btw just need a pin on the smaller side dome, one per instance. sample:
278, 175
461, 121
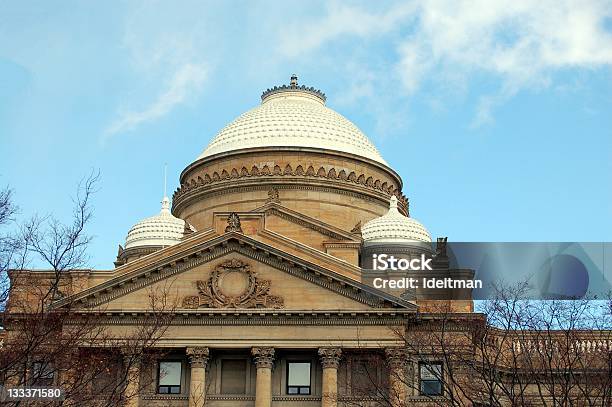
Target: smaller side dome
393, 227
162, 229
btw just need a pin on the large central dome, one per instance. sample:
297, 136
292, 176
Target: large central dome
293, 116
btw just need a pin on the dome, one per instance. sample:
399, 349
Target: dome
393, 227
293, 116
159, 230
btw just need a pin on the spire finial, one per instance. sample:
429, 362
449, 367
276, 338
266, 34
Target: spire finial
165, 201
294, 81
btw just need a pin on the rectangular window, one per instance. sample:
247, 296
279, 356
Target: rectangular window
298, 378
430, 375
233, 376
42, 374
169, 377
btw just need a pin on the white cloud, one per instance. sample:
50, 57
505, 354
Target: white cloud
340, 20
520, 44
188, 79
517, 40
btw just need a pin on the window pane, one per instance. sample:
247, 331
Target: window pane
233, 376
170, 373
299, 374
431, 371
431, 388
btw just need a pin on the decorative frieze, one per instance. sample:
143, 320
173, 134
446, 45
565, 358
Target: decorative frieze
206, 317
311, 172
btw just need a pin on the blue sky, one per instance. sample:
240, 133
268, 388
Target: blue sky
498, 115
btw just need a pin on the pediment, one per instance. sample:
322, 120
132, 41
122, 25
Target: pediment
327, 232
194, 270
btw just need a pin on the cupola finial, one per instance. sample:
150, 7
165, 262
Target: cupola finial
295, 89
165, 201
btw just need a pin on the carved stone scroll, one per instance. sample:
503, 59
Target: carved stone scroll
232, 284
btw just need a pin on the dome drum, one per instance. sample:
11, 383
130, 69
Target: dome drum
308, 179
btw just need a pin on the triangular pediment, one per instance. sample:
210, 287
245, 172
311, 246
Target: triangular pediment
326, 231
281, 279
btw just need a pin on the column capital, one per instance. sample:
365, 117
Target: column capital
330, 357
396, 357
198, 356
264, 357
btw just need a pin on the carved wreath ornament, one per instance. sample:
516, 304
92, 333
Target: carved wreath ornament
232, 284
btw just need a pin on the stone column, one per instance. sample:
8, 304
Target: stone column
264, 360
396, 360
330, 359
198, 359
132, 362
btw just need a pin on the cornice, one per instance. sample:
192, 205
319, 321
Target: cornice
216, 317
306, 221
138, 251
253, 151
343, 245
242, 186
349, 269
357, 183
